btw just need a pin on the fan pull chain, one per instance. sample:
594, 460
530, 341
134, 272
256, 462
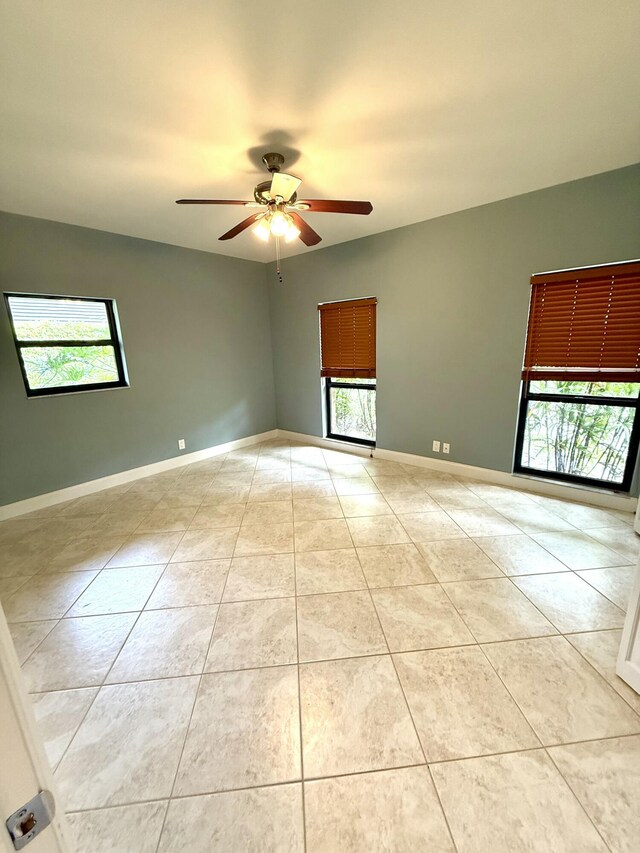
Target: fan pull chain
278, 273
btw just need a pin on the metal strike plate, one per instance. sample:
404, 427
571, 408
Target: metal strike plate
29, 820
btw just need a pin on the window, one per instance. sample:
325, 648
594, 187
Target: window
348, 351
579, 418
66, 343
351, 409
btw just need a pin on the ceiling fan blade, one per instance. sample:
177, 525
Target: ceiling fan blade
241, 226
321, 205
307, 234
283, 185
208, 201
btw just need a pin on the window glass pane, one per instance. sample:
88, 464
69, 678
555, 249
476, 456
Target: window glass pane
37, 319
591, 389
353, 413
51, 367
577, 438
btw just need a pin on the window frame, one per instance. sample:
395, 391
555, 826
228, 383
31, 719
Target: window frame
634, 440
329, 383
115, 341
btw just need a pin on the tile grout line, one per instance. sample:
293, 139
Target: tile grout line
547, 549
106, 675
406, 701
533, 604
210, 793
137, 619
168, 801
206, 793
541, 746
576, 798
195, 699
507, 576
57, 619
548, 618
489, 661
527, 638
328, 660
200, 678
603, 569
510, 577
302, 774
600, 677
598, 673
34, 650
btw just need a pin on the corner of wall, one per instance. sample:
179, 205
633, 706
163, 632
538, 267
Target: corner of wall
267, 270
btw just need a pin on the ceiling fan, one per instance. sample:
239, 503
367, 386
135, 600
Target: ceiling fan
277, 201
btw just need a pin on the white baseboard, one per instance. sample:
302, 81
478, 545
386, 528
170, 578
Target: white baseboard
458, 469
82, 489
472, 472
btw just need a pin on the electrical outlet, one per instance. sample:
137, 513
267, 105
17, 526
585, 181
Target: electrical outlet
181, 444
445, 447
436, 446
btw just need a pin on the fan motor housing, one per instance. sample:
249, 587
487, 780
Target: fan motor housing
262, 195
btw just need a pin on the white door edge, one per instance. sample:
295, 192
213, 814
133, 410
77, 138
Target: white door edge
628, 665
24, 769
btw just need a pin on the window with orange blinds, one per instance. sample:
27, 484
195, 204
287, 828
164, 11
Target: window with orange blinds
585, 324
348, 338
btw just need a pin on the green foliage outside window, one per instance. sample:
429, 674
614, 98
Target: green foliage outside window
354, 412
583, 439
50, 367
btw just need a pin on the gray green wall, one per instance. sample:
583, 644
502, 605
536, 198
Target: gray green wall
453, 299
196, 336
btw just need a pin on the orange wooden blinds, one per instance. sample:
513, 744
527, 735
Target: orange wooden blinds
585, 324
348, 338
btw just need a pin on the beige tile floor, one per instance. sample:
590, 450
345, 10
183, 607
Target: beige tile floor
286, 648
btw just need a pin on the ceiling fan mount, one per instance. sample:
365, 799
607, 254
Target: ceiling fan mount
274, 162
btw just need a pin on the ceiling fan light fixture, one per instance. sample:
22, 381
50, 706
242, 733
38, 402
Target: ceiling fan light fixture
292, 232
261, 230
278, 223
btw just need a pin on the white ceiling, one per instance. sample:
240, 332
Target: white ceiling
113, 109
